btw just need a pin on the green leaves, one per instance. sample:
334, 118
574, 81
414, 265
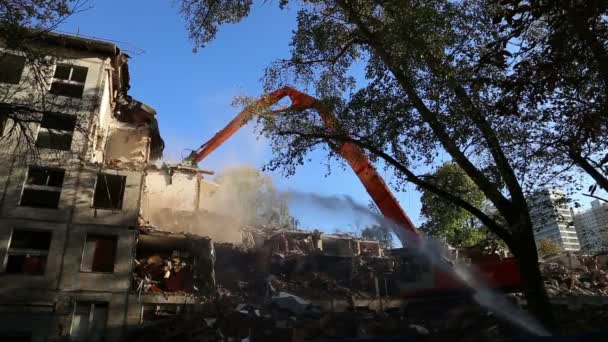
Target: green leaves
378, 233
203, 17
446, 220
21, 21
548, 247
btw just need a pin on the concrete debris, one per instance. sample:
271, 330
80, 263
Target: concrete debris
290, 289
420, 330
158, 273
174, 263
570, 274
291, 303
224, 320
296, 293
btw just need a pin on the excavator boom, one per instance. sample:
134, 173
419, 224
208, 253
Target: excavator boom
353, 154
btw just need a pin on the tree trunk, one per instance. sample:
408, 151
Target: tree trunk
533, 286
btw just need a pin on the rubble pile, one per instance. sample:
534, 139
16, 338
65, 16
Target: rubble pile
289, 290
164, 272
568, 274
315, 286
257, 272
177, 263
285, 317
300, 286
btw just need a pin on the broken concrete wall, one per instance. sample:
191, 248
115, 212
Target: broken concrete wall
206, 191
338, 246
127, 144
174, 200
177, 191
369, 248
202, 223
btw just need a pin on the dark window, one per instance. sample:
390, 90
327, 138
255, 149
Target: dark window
28, 251
3, 120
45, 176
89, 321
109, 191
99, 254
56, 131
79, 74
42, 187
11, 68
155, 312
62, 72
68, 80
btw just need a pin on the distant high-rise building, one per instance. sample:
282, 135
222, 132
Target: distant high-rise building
592, 227
552, 219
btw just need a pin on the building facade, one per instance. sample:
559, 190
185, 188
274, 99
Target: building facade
552, 219
592, 228
82, 204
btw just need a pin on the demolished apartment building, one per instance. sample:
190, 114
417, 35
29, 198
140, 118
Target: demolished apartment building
76, 211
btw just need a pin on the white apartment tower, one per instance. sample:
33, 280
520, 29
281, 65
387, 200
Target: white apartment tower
552, 219
592, 228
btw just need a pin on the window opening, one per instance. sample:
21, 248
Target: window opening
28, 251
42, 187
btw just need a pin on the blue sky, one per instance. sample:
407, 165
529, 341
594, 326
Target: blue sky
192, 92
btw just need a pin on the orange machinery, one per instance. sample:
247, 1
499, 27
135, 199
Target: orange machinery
499, 273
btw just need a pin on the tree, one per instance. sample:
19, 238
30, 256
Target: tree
19, 17
245, 193
379, 233
431, 87
548, 247
558, 80
448, 221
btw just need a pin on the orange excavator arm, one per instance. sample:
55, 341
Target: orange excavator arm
353, 154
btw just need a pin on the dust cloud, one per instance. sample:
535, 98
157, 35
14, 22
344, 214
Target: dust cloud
223, 209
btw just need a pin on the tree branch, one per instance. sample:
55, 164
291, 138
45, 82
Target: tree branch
489, 189
336, 140
600, 179
332, 60
596, 197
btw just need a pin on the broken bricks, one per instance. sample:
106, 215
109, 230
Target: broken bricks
570, 274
